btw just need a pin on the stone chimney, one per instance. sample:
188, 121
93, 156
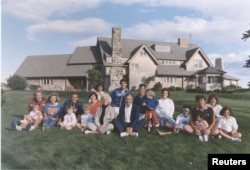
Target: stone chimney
116, 45
219, 64
182, 42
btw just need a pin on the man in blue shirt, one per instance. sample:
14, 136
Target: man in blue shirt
118, 95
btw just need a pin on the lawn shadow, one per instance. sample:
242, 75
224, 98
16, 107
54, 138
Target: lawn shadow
18, 116
9, 162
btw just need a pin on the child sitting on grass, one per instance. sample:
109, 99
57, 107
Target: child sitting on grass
181, 120
86, 118
227, 125
151, 103
69, 120
201, 127
28, 119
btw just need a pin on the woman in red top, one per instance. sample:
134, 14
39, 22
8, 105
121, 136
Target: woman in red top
94, 102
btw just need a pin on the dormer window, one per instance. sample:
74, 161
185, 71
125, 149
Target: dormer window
162, 48
143, 53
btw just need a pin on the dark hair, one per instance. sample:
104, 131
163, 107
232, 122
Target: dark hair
52, 94
187, 106
98, 85
142, 85
93, 93
224, 109
128, 94
198, 97
123, 80
165, 89
74, 93
69, 106
213, 95
201, 114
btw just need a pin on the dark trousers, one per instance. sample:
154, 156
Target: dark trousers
121, 128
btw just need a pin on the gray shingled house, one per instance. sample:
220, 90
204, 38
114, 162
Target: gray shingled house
180, 64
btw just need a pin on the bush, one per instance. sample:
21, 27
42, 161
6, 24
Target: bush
34, 87
17, 82
178, 88
172, 88
157, 87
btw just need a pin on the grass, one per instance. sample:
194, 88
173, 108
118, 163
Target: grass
61, 149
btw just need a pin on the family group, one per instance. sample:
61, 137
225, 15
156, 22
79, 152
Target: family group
127, 113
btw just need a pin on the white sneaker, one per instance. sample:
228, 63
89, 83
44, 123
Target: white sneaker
82, 129
200, 138
123, 134
18, 128
205, 138
236, 139
108, 132
87, 132
68, 127
31, 128
136, 134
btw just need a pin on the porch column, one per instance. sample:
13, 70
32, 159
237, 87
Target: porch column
87, 83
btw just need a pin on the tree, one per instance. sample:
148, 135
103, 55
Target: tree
17, 82
147, 80
245, 37
96, 75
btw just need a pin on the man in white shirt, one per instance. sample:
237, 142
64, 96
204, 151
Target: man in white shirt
128, 122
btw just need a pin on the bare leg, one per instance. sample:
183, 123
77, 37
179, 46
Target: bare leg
163, 133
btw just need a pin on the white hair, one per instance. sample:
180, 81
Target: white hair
106, 95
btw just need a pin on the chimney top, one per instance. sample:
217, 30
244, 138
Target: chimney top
182, 42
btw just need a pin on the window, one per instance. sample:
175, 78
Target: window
143, 53
134, 66
168, 62
162, 48
213, 79
46, 81
169, 80
198, 63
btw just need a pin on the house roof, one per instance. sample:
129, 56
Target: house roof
227, 77
210, 70
50, 66
85, 55
164, 70
129, 47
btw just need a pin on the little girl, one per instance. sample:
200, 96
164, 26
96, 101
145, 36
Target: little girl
201, 127
29, 119
151, 104
228, 126
69, 120
86, 118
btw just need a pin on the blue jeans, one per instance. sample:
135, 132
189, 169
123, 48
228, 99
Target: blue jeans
164, 121
121, 128
48, 122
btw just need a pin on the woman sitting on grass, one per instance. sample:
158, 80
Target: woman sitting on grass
227, 125
51, 111
103, 117
209, 116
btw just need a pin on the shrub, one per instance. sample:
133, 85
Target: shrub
178, 88
17, 82
34, 87
172, 88
133, 88
157, 86
217, 90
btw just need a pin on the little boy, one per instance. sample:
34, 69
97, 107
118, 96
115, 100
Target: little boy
86, 118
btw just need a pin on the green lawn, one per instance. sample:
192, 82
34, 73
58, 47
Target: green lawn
62, 149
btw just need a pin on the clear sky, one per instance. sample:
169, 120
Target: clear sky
41, 27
